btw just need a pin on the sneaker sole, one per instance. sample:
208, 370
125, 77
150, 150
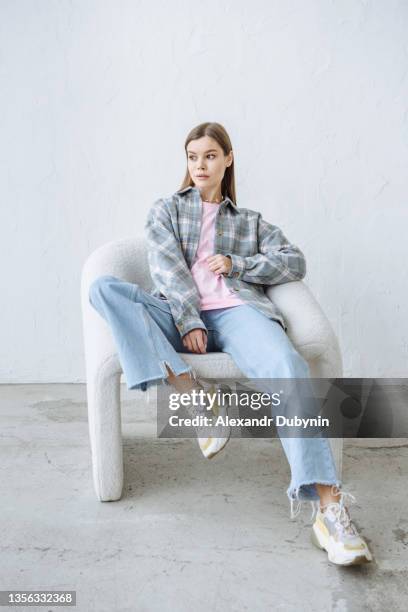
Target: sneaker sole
213, 454
357, 560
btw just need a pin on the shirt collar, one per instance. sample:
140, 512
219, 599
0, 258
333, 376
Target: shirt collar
228, 200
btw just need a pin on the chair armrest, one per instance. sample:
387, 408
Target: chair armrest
308, 326
123, 259
126, 259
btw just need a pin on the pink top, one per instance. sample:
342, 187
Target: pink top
212, 288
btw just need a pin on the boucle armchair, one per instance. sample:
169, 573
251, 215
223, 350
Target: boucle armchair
308, 328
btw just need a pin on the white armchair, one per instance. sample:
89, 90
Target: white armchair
308, 328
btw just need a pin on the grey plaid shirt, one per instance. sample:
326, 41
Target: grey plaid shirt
260, 254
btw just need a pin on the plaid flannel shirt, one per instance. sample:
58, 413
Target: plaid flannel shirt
260, 255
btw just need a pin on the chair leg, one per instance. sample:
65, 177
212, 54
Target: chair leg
105, 431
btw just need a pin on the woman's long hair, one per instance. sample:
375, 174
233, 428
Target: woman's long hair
219, 133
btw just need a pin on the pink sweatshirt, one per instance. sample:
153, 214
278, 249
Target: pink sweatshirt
212, 288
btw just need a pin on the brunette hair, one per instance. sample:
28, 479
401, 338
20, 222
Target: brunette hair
219, 133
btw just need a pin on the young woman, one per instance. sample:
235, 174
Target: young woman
209, 261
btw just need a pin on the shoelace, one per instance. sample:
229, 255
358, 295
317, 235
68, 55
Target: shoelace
343, 520
198, 409
203, 408
338, 507
212, 389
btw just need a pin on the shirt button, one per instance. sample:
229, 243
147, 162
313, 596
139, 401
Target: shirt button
220, 233
236, 289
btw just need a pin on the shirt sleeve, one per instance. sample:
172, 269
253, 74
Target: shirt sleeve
278, 261
169, 270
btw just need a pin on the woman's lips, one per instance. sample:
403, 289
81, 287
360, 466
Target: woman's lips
202, 177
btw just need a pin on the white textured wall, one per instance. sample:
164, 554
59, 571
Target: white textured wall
97, 98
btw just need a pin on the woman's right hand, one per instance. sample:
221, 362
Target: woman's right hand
196, 340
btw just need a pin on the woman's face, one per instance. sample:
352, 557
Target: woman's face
207, 163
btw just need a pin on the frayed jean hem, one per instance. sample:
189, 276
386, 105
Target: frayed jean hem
161, 380
307, 492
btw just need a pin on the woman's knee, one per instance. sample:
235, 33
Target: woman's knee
99, 285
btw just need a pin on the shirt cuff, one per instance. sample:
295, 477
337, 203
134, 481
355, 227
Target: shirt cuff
186, 325
238, 266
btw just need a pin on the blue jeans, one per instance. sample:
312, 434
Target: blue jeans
147, 339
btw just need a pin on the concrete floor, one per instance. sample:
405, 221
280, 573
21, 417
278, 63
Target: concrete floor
188, 534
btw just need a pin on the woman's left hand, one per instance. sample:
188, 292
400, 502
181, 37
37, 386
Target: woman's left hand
219, 264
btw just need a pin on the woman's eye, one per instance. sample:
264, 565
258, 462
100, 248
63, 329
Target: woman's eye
210, 155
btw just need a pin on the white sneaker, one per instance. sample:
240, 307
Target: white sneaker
334, 532
214, 441
211, 438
